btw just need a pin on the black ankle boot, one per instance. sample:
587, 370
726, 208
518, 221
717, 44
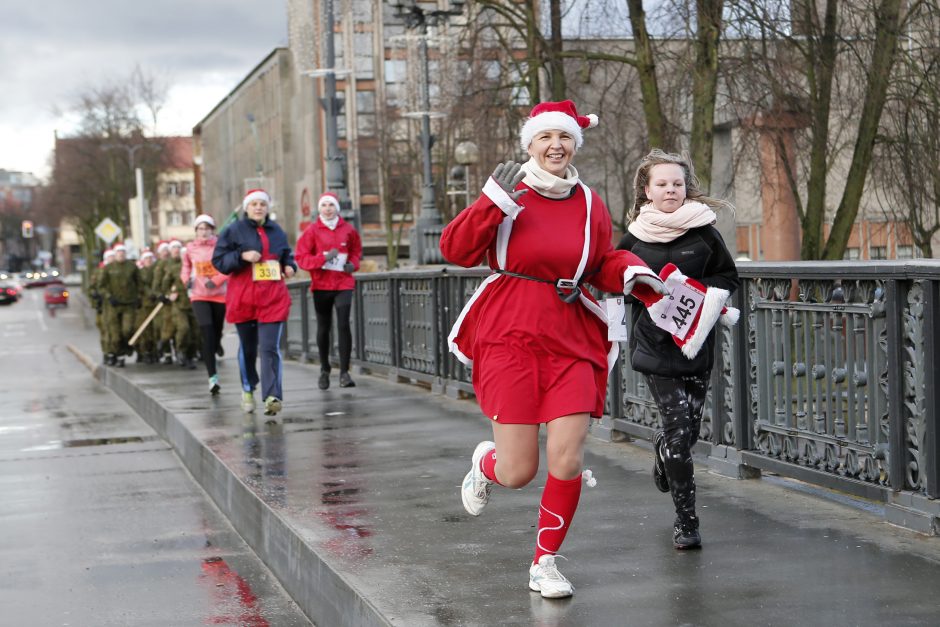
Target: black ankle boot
324, 382
345, 381
686, 535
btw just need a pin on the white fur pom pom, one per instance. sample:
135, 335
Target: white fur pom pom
730, 316
593, 118
589, 478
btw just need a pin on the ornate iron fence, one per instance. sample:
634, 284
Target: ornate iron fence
831, 375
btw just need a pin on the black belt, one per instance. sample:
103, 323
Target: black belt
560, 284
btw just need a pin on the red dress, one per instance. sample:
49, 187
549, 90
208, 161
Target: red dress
536, 358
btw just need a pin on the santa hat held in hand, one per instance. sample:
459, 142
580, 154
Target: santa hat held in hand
712, 310
559, 116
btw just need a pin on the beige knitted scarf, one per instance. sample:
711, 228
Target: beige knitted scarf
656, 227
546, 183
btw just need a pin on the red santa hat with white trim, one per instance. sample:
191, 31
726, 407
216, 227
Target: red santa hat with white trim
559, 116
694, 332
255, 194
331, 198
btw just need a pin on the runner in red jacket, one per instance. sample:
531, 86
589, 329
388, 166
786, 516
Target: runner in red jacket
330, 249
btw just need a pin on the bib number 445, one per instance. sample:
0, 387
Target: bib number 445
684, 305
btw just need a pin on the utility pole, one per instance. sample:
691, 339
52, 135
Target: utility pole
425, 237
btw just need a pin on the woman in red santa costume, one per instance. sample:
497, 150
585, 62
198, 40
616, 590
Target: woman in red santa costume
673, 340
536, 339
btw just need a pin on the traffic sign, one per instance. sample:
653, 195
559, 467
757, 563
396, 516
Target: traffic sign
107, 230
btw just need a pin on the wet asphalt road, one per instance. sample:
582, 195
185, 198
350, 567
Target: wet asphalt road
99, 522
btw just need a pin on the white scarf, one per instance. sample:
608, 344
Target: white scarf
330, 224
546, 183
656, 227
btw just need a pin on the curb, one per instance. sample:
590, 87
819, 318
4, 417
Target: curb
322, 593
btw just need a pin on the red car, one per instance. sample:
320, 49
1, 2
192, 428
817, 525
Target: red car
56, 296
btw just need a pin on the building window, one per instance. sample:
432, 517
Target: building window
879, 252
188, 218
186, 188
172, 189
851, 253
905, 252
174, 218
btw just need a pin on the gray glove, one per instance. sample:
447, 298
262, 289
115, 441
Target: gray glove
348, 267
189, 283
331, 254
210, 284
509, 175
654, 282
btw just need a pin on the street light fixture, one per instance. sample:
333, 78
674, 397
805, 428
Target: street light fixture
425, 239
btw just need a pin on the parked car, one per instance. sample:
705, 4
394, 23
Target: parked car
56, 296
8, 293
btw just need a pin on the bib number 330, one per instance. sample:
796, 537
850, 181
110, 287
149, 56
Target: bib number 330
684, 305
269, 270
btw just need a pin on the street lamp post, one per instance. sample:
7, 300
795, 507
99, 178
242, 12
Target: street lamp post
425, 239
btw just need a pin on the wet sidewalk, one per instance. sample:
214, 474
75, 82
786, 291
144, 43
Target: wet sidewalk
354, 504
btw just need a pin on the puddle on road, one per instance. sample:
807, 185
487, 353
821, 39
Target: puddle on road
61, 444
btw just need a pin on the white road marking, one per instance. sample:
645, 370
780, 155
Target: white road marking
42, 322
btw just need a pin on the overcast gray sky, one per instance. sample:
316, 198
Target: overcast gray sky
51, 50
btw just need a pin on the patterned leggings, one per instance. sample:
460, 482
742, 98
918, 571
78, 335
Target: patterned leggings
681, 402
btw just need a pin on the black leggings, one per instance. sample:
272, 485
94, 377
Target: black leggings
210, 317
681, 402
323, 303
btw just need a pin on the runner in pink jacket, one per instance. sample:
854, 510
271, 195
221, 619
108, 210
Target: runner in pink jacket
206, 287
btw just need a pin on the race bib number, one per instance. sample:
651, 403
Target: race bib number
617, 328
269, 270
203, 268
684, 305
336, 263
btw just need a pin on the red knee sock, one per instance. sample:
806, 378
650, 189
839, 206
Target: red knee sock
559, 502
488, 465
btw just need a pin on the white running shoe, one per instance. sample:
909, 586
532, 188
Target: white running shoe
545, 578
475, 490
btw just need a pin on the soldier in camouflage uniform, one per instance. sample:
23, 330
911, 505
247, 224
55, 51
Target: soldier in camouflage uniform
146, 344
98, 300
120, 286
184, 323
163, 323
